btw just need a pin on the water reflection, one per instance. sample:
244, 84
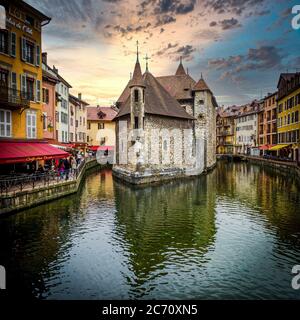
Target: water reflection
234, 233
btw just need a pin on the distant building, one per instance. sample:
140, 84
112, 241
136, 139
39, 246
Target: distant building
226, 129
78, 121
62, 108
49, 101
288, 122
267, 123
158, 107
246, 125
100, 126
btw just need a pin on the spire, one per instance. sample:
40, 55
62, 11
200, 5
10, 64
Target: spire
137, 78
201, 85
137, 51
180, 70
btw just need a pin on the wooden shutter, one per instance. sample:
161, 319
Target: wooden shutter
23, 49
38, 90
23, 85
13, 43
38, 55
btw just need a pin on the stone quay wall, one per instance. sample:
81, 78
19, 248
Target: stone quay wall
28, 198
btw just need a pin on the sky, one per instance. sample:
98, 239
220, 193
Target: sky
240, 46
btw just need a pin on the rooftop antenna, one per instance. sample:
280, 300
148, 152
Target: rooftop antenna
147, 58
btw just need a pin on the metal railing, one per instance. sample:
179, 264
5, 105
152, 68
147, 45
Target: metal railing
13, 97
18, 183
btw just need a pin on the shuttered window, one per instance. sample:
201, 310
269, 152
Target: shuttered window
31, 124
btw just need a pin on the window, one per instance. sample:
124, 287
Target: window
71, 136
30, 88
29, 20
5, 123
100, 125
297, 116
45, 95
3, 78
102, 142
89, 125
201, 101
76, 123
4, 41
28, 51
31, 124
64, 117
14, 83
44, 121
88, 138
136, 95
80, 120
136, 122
71, 121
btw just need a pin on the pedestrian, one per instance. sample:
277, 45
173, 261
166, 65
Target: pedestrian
61, 170
67, 168
73, 165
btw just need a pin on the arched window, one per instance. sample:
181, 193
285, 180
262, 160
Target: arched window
2, 17
136, 95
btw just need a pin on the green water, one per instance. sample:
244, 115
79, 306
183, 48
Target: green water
234, 233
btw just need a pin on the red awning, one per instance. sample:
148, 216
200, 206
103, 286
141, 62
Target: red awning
102, 148
14, 152
266, 147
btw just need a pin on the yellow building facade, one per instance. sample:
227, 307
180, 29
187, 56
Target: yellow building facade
288, 114
21, 109
100, 126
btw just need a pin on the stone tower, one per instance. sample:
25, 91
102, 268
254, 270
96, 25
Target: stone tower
205, 125
137, 97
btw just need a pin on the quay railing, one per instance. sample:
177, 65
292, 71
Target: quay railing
18, 183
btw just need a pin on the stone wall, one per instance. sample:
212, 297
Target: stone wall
29, 198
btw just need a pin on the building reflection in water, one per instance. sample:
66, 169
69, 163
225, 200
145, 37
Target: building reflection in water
175, 240
165, 226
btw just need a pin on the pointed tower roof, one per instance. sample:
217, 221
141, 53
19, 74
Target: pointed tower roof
137, 77
201, 85
180, 70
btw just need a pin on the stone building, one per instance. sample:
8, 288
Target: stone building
175, 126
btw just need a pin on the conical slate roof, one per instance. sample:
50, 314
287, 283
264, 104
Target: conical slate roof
137, 78
180, 70
201, 85
157, 101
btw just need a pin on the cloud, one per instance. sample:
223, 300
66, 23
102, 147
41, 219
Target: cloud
186, 52
227, 24
165, 19
174, 6
257, 59
236, 7
165, 49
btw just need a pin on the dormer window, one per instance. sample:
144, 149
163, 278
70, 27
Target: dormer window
29, 20
136, 95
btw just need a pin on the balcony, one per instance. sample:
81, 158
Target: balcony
14, 99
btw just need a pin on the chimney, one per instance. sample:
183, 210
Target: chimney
44, 57
79, 96
54, 69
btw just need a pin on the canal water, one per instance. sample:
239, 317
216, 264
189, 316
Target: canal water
234, 233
